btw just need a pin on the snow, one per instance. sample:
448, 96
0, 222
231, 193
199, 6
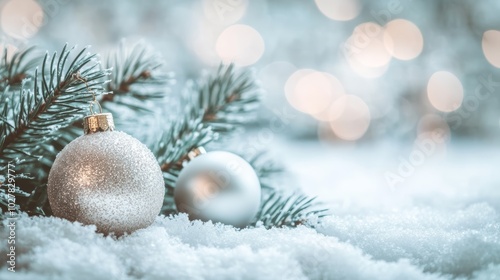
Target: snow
414, 244
442, 223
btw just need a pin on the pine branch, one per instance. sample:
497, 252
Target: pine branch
37, 204
173, 147
280, 210
136, 76
34, 203
57, 99
265, 169
228, 99
219, 104
183, 136
14, 68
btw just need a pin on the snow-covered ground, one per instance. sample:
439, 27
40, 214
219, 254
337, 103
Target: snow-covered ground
441, 222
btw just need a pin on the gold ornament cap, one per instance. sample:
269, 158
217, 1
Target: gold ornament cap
196, 152
98, 123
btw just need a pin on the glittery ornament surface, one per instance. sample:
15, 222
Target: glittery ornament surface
218, 186
109, 179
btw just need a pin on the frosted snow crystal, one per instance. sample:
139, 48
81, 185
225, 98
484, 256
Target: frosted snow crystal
419, 243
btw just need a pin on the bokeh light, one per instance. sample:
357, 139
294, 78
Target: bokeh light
350, 117
291, 84
367, 47
337, 91
224, 12
21, 19
312, 92
240, 44
339, 9
491, 47
403, 39
445, 91
366, 72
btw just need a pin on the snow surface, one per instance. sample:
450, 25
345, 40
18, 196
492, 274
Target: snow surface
417, 244
443, 222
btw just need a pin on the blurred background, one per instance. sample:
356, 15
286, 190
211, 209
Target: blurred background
361, 99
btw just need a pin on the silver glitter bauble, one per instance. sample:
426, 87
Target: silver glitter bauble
218, 186
108, 179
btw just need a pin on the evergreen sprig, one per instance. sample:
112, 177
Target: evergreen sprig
15, 67
137, 76
265, 169
183, 136
228, 98
287, 210
33, 116
279, 208
218, 104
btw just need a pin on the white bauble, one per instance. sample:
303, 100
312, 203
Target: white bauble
218, 186
108, 179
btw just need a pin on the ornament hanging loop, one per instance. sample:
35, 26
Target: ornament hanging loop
91, 107
96, 121
94, 101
